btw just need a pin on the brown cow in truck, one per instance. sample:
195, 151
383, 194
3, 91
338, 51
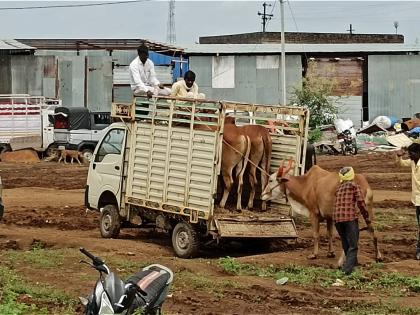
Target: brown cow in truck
313, 195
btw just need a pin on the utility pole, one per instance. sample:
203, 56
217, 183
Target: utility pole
351, 30
283, 55
170, 30
265, 17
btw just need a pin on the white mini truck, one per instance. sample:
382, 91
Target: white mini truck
159, 167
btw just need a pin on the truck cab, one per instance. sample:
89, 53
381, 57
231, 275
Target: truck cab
77, 128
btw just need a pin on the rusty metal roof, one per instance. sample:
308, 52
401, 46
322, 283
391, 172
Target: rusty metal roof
101, 44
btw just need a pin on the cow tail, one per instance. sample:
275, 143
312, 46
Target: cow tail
266, 159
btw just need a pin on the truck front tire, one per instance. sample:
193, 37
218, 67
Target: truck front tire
185, 240
110, 222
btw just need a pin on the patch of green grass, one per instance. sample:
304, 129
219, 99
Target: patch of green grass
203, 283
125, 267
377, 308
367, 279
12, 287
40, 257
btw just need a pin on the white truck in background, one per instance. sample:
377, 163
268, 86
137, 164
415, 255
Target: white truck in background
26, 122
160, 166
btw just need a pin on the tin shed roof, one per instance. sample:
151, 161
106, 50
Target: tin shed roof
11, 44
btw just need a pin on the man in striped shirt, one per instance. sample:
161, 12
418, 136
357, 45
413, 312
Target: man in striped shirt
345, 216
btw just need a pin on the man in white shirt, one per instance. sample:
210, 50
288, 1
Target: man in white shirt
143, 77
187, 88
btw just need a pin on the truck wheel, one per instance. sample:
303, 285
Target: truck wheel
110, 222
185, 240
87, 154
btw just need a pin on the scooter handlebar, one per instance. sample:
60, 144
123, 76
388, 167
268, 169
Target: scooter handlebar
96, 260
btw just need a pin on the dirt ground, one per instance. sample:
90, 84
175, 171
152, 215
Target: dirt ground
44, 202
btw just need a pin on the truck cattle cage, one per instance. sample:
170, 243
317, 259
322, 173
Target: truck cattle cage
25, 121
171, 159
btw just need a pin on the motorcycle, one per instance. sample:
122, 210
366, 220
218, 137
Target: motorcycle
145, 291
347, 142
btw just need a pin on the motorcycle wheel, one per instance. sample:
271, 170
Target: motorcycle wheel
110, 222
343, 149
185, 240
354, 147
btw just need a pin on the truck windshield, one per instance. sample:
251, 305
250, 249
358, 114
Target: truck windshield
112, 144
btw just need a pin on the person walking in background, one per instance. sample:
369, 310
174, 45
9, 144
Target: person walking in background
348, 196
143, 77
413, 162
187, 88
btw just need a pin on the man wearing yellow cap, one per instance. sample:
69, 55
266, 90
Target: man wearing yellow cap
348, 195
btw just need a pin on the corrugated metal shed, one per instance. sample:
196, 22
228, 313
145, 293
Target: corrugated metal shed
394, 86
213, 49
254, 79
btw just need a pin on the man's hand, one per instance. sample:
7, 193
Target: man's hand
400, 153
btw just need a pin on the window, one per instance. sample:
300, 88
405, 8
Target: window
101, 119
112, 144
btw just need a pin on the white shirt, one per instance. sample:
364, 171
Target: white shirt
143, 76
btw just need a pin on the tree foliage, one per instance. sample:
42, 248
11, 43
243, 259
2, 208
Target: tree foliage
315, 93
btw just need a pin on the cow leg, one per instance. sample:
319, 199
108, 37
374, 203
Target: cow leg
330, 231
252, 183
264, 182
315, 231
378, 255
228, 181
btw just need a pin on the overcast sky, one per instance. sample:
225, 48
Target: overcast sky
148, 18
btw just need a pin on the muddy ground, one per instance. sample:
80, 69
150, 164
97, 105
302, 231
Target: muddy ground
44, 204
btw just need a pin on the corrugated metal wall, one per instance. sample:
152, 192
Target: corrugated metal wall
394, 86
27, 75
251, 84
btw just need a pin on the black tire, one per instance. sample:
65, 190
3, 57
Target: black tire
87, 154
51, 150
354, 147
110, 222
185, 240
5, 149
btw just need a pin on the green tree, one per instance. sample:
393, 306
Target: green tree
315, 93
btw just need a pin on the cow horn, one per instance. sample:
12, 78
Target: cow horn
280, 170
289, 166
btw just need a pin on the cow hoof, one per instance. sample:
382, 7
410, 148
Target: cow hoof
331, 255
379, 259
312, 256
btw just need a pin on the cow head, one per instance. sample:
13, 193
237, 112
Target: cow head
276, 183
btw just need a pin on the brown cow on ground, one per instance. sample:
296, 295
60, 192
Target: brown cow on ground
313, 195
235, 154
261, 146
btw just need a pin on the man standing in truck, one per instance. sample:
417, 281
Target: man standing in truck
143, 77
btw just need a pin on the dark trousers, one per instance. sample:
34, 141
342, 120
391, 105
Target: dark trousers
418, 222
349, 234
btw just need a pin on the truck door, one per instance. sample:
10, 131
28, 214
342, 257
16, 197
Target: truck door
105, 169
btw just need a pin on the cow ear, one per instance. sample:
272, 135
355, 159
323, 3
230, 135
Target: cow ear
284, 180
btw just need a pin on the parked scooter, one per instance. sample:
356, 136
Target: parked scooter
347, 142
146, 290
